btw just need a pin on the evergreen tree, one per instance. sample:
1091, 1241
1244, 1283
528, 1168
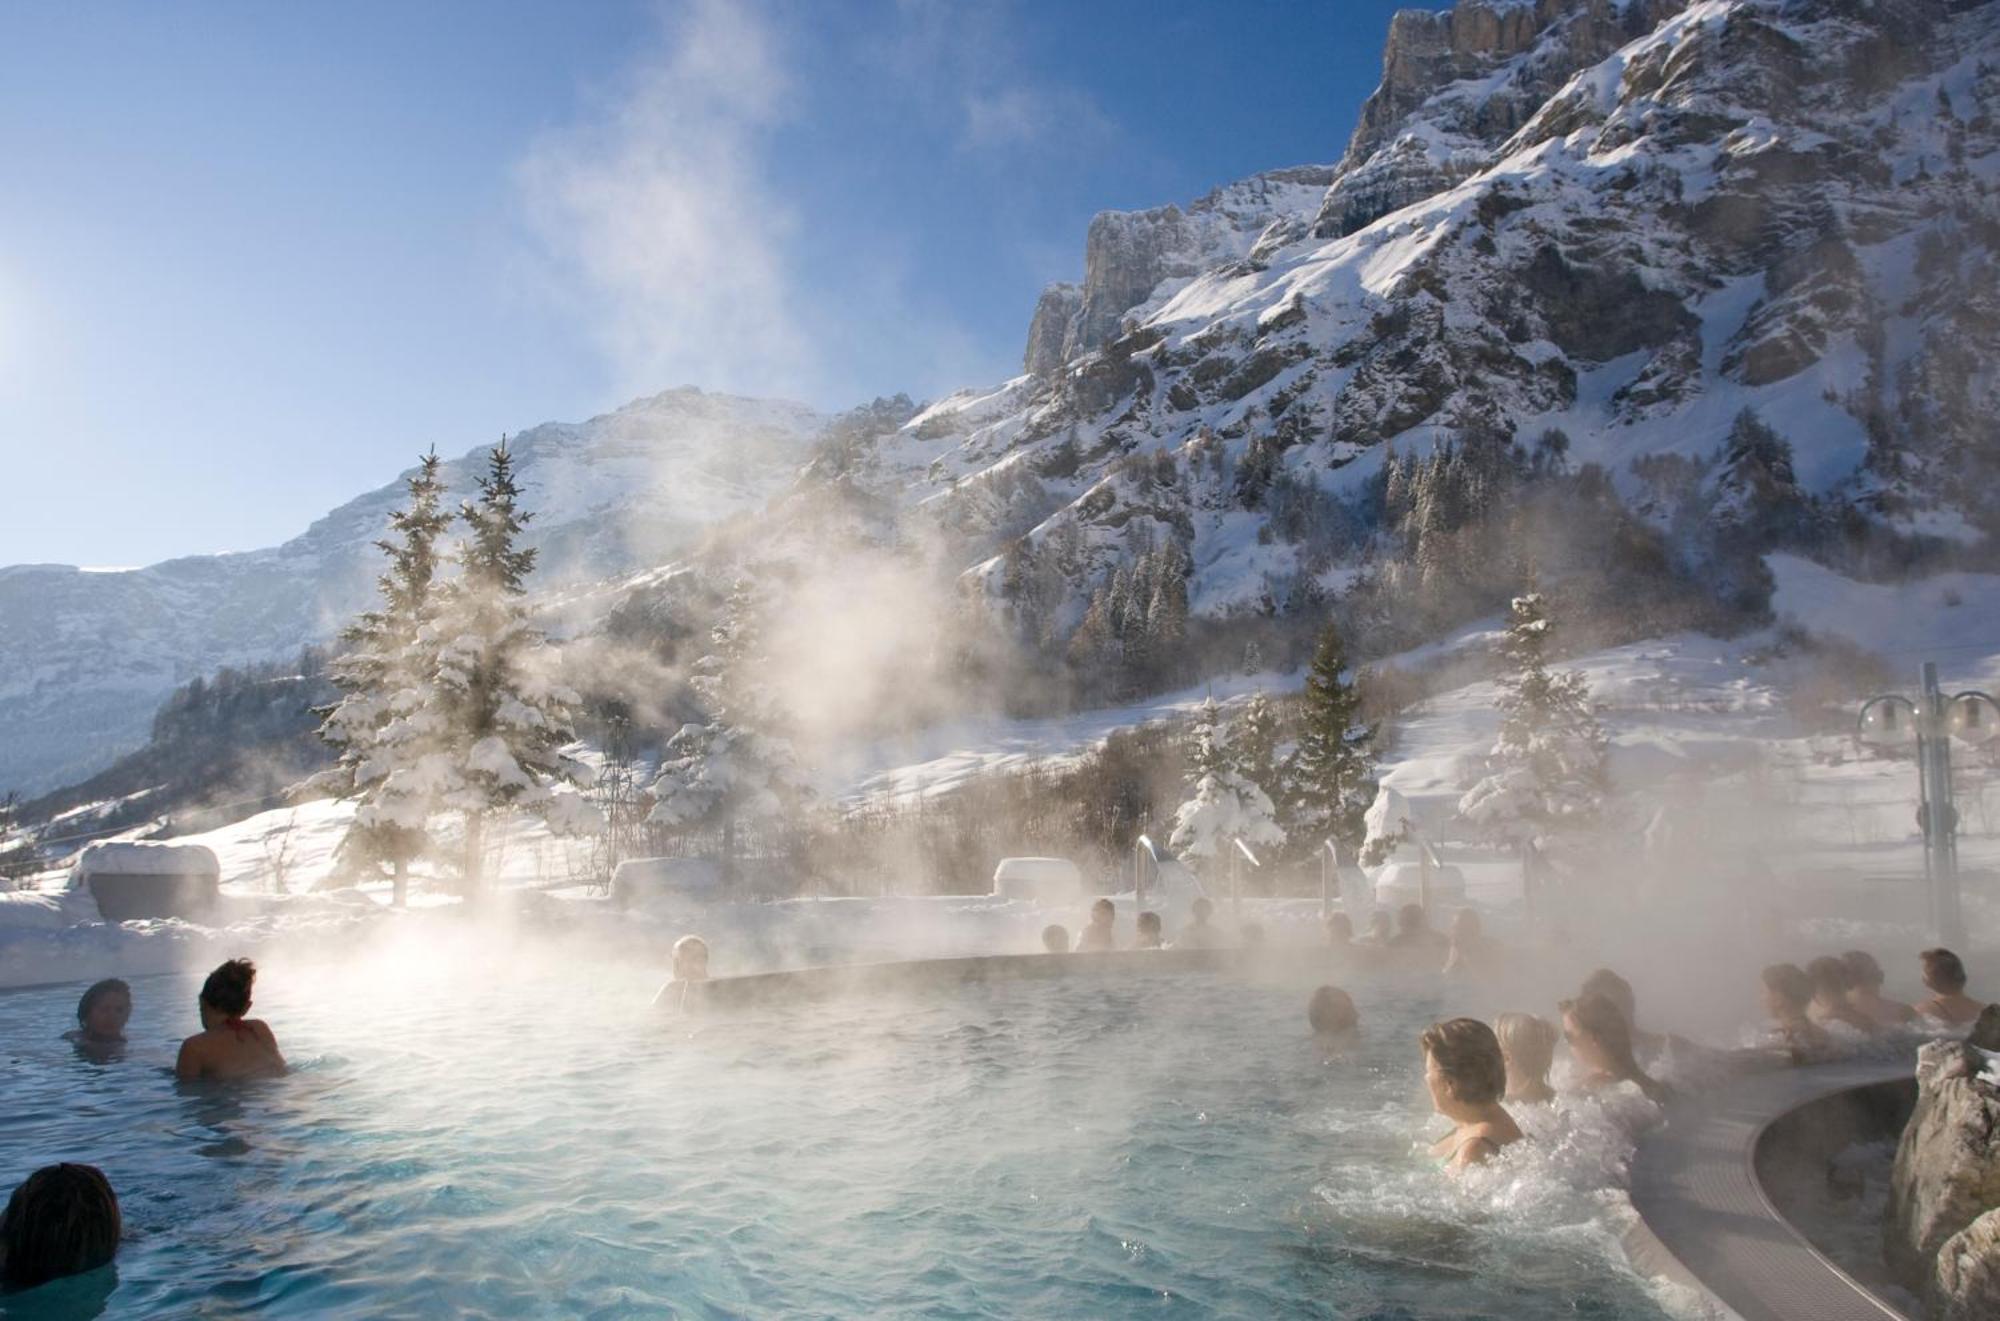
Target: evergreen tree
500, 713
1330, 775
728, 771
1255, 745
379, 728
1546, 772
1222, 804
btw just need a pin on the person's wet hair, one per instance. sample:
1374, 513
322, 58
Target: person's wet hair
687, 951
1789, 982
62, 1220
1410, 917
1202, 910
1944, 971
1867, 972
97, 991
1527, 1040
1103, 908
1055, 939
1612, 987
1148, 927
227, 990
1340, 929
1607, 1026
1468, 1058
1332, 1010
1830, 976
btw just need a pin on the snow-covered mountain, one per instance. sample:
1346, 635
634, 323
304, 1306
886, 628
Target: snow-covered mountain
85, 657
1630, 219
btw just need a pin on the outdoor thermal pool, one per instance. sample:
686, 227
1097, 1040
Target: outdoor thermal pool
497, 1142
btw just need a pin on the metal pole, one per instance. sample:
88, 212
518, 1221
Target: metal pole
1329, 866
1235, 888
1940, 851
1138, 875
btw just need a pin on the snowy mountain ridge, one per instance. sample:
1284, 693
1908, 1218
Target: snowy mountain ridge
86, 657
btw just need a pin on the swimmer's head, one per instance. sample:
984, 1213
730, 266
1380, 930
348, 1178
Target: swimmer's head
104, 1010
1527, 1042
1055, 939
1379, 923
1614, 988
1831, 977
1867, 973
1462, 1064
1599, 1035
1331, 1010
1202, 910
1465, 924
1149, 930
690, 959
1787, 990
1339, 929
1103, 913
1410, 917
62, 1220
1944, 971
226, 993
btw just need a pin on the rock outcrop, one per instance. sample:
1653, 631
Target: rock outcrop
1943, 1235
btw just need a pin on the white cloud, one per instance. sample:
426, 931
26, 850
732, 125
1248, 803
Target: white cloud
662, 223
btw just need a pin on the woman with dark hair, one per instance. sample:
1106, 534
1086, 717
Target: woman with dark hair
1788, 995
1867, 993
1600, 1037
1832, 985
62, 1220
229, 1046
1334, 1020
1944, 977
1466, 1075
101, 1014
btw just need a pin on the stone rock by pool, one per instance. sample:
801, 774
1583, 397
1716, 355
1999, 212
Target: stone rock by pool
1943, 1233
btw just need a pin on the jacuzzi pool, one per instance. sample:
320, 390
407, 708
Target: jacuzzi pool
494, 1142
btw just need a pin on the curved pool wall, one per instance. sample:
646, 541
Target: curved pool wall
1702, 1185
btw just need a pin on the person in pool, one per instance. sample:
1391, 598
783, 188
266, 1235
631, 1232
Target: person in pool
1055, 939
690, 975
1381, 929
1097, 936
229, 1046
1867, 994
62, 1220
1787, 994
1832, 984
1201, 931
1339, 932
1334, 1020
1528, 1044
1416, 937
1473, 952
1600, 1037
1619, 992
1944, 977
1150, 934
1466, 1076
101, 1015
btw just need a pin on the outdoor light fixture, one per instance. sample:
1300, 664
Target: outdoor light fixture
1888, 722
1973, 718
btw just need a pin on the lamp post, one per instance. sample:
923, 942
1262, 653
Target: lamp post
1928, 724
1142, 850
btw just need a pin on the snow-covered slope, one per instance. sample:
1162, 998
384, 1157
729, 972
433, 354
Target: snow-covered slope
1628, 219
86, 657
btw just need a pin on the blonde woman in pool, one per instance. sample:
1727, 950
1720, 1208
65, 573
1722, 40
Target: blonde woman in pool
1528, 1044
685, 989
1467, 1076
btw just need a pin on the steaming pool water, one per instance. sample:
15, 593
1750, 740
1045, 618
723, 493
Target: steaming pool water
1096, 1146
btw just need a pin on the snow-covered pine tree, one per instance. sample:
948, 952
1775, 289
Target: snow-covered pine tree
1546, 773
378, 728
1222, 804
728, 771
1330, 774
500, 713
1254, 746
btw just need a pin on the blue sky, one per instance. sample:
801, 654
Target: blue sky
254, 258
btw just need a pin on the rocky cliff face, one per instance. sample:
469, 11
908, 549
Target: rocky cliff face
86, 657
1943, 1235
1129, 255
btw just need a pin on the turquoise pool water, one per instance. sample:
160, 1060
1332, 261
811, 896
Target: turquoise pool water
490, 1141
